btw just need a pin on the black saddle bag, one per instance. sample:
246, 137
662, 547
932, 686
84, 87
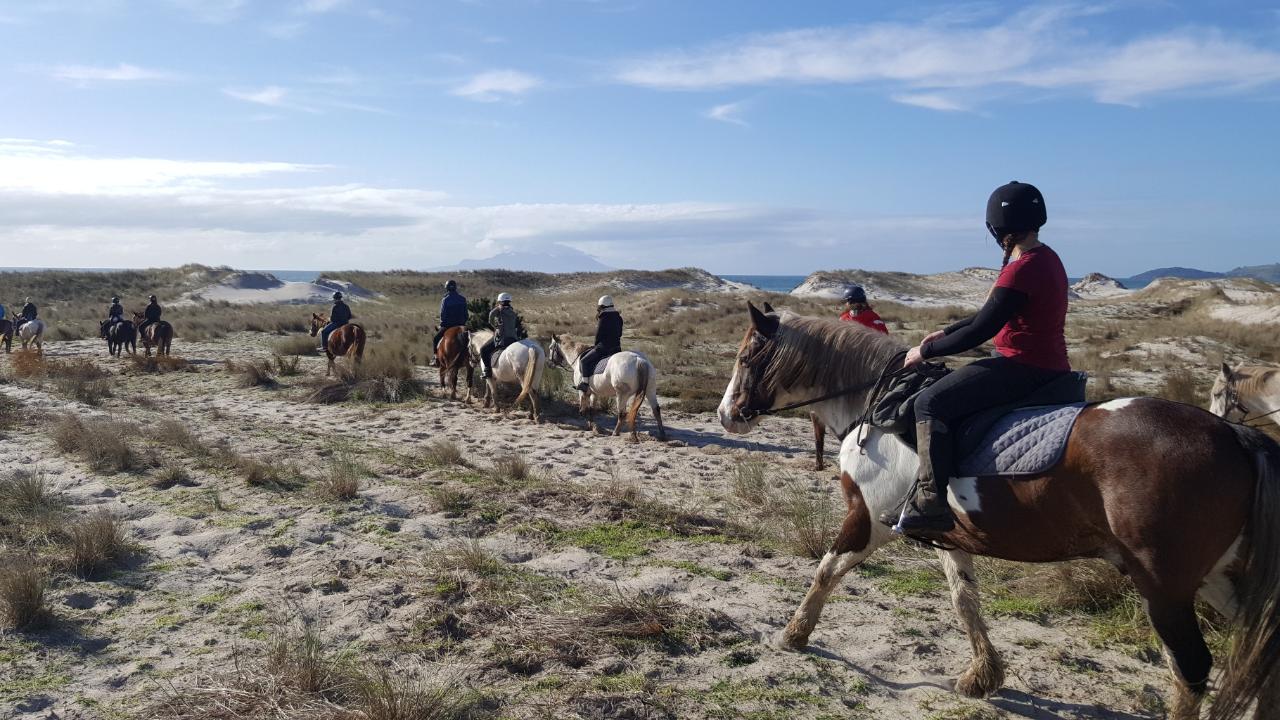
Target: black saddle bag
893, 408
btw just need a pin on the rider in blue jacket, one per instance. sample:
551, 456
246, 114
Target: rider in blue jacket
340, 315
453, 311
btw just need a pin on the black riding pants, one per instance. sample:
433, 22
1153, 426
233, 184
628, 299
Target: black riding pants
978, 386
587, 363
486, 353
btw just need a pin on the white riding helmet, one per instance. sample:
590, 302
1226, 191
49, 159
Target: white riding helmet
504, 297
605, 301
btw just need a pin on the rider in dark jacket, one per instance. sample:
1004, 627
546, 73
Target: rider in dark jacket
27, 315
453, 311
340, 315
115, 313
608, 340
150, 314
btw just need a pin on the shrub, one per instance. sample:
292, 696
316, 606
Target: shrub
443, 453
99, 442
22, 587
173, 433
342, 481
383, 377
169, 475
512, 469
97, 543
287, 365
255, 373
28, 510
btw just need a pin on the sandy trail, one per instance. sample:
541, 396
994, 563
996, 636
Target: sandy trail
218, 560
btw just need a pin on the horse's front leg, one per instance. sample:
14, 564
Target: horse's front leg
985, 673
859, 537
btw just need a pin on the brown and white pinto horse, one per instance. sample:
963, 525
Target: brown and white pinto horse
452, 355
346, 341
158, 334
1184, 503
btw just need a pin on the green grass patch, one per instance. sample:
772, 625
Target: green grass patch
907, 583
620, 541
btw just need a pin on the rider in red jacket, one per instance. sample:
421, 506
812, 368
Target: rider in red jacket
857, 310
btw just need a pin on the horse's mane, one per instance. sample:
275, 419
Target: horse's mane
826, 354
1254, 379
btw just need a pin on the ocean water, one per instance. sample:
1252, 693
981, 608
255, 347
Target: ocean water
768, 283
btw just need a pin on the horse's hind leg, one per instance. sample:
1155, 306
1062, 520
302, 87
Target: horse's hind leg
819, 439
1189, 659
985, 674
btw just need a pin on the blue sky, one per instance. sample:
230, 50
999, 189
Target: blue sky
743, 137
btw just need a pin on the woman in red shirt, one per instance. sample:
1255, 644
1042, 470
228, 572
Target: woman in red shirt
1025, 313
856, 309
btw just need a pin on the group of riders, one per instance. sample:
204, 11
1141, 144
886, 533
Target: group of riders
28, 313
150, 315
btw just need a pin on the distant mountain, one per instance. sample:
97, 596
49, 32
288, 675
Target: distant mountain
1270, 273
556, 259
1144, 279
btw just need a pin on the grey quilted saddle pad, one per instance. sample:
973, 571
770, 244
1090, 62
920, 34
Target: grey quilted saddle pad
1024, 442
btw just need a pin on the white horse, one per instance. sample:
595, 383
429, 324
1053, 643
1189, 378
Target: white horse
1249, 392
520, 363
32, 333
627, 375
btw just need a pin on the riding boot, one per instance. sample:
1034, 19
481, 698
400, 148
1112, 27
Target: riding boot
927, 513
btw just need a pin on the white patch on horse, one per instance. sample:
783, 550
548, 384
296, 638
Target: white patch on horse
1218, 589
1117, 404
962, 495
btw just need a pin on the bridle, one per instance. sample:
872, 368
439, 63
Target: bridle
1234, 402
887, 375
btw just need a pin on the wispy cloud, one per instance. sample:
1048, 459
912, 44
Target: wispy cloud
1041, 47
931, 101
271, 96
122, 72
321, 6
728, 112
497, 85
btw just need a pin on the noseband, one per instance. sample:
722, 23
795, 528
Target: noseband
1235, 403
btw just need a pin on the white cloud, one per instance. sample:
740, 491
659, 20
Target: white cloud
122, 72
496, 85
271, 96
728, 112
931, 101
1041, 47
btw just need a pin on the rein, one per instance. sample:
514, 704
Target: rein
749, 413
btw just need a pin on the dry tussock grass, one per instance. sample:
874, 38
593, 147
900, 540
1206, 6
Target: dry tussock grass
160, 364
295, 345
29, 512
444, 453
11, 412
341, 480
99, 442
802, 519
385, 376
299, 677
23, 583
97, 543
253, 373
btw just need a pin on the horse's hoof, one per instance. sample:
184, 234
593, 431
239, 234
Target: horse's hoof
791, 641
980, 680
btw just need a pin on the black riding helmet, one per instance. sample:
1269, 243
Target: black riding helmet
337, 296
451, 286
855, 294
1014, 208
152, 298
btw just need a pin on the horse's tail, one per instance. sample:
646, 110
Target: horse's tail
642, 390
532, 371
1254, 661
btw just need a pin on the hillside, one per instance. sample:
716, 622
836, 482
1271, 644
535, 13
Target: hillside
962, 288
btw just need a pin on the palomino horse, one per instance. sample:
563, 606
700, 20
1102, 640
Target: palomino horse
158, 334
32, 334
120, 336
346, 341
627, 375
451, 356
1182, 502
6, 334
520, 363
1247, 393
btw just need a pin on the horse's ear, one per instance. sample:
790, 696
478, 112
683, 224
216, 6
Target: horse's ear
768, 308
764, 324
1226, 371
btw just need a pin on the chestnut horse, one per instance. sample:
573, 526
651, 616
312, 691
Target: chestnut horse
451, 356
1184, 503
346, 341
120, 336
1246, 394
158, 334
6, 334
